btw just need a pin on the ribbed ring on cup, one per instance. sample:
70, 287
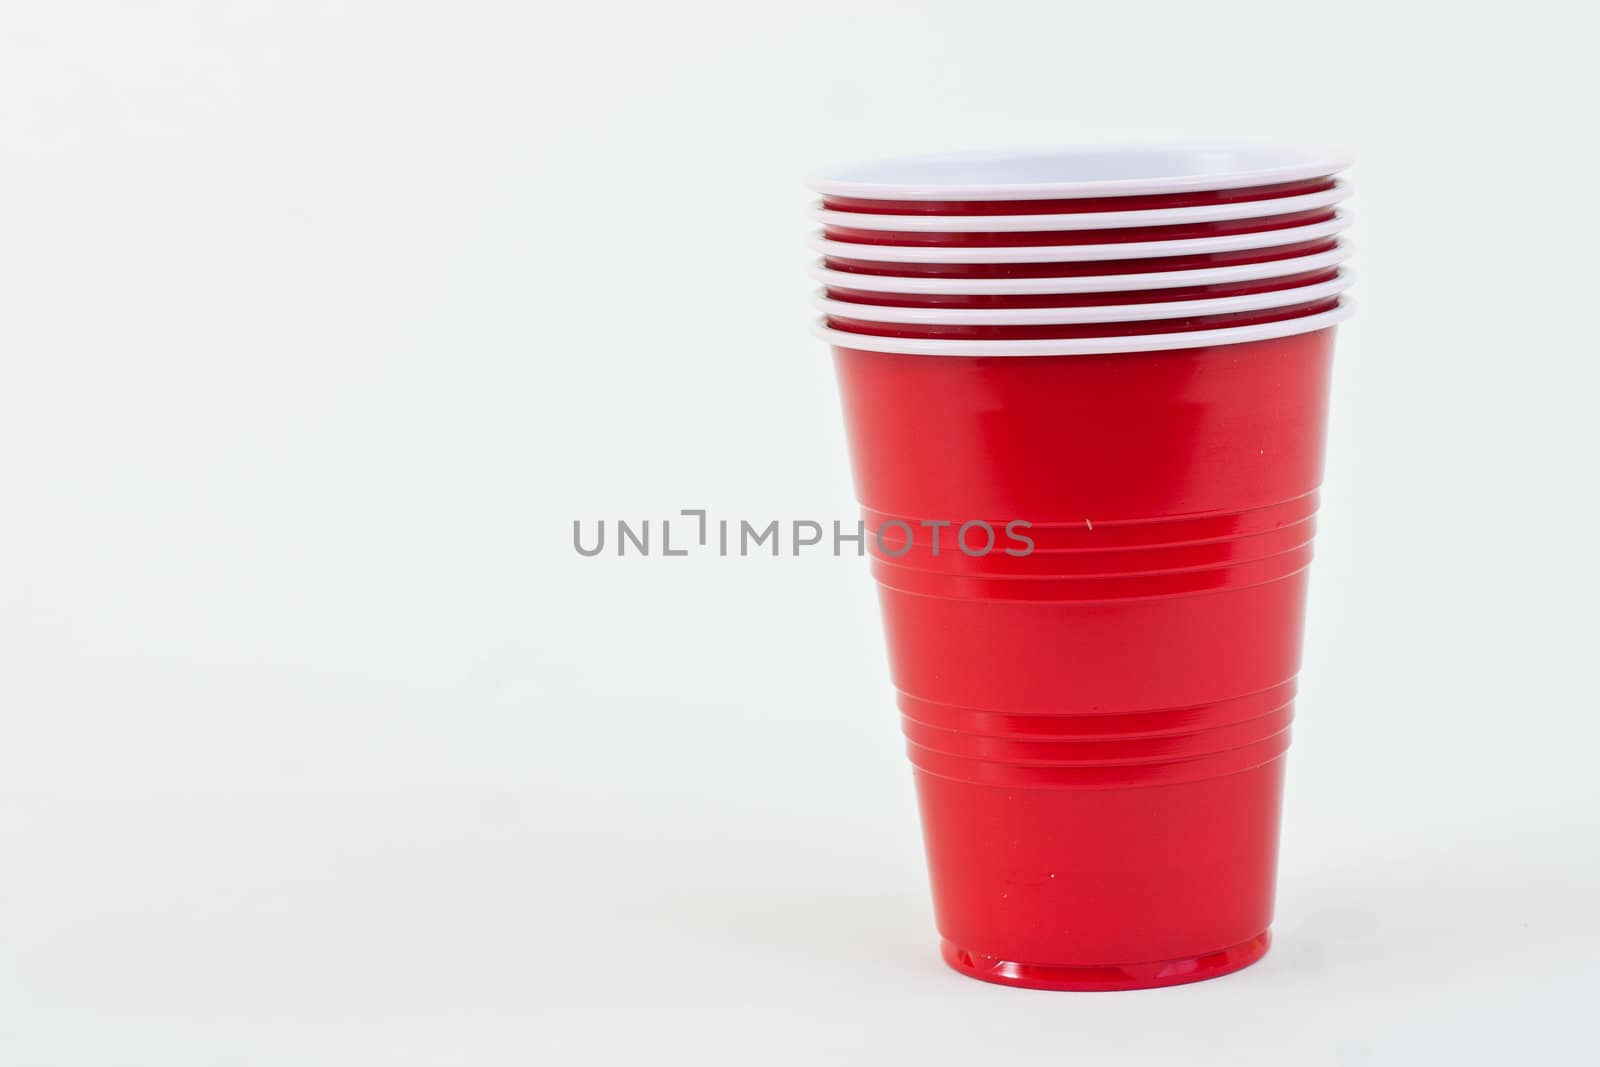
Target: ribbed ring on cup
1096, 588
1095, 534
1096, 725
1097, 752
1005, 560
1018, 775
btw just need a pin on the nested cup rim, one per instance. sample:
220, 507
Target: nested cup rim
1077, 171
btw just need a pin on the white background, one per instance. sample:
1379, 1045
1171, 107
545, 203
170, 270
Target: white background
319, 744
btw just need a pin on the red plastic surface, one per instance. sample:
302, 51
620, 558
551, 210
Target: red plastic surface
1111, 976
1101, 878
1098, 728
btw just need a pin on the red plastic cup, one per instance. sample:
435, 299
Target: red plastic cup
1067, 300
955, 331
1081, 204
1115, 317
1096, 177
1080, 219
1091, 290
862, 262
1127, 235
1097, 727
1154, 246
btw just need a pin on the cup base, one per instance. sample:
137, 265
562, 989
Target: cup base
1106, 978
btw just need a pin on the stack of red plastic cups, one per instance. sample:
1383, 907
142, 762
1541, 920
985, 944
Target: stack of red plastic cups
1086, 394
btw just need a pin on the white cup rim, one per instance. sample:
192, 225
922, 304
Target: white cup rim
1083, 283
1087, 220
1193, 246
1086, 346
1171, 309
1078, 171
